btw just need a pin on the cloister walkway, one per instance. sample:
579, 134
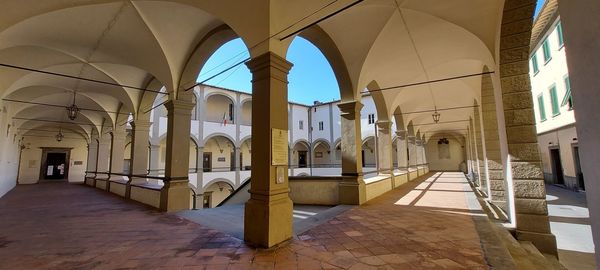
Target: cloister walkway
426, 223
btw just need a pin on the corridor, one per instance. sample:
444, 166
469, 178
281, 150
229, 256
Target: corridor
426, 223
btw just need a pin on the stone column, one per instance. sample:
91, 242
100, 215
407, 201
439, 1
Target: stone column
497, 187
268, 213
524, 160
103, 160
401, 149
475, 154
583, 59
92, 157
483, 179
140, 138
154, 160
385, 161
412, 153
236, 154
117, 152
175, 194
352, 189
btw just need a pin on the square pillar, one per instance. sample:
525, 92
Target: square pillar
117, 152
92, 157
524, 166
412, 152
175, 194
154, 160
352, 188
103, 159
268, 213
402, 148
385, 161
140, 137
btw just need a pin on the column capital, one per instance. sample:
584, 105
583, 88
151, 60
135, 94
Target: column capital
154, 147
270, 60
180, 106
401, 134
140, 124
384, 124
349, 107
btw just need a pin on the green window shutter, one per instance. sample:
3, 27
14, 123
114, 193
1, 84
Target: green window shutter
541, 107
554, 101
568, 96
534, 63
559, 32
546, 49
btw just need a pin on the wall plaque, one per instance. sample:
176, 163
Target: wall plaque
279, 147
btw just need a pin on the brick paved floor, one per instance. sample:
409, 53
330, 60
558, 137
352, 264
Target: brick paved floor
422, 225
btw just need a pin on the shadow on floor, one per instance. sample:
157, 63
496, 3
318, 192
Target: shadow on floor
570, 223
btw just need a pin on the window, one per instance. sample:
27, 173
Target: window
568, 99
559, 32
231, 112
301, 125
371, 118
554, 101
321, 125
534, 63
541, 107
546, 50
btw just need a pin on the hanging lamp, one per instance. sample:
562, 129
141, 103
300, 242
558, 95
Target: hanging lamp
72, 110
59, 136
436, 116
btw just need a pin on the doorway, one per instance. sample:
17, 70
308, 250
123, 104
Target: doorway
206, 200
301, 159
232, 162
55, 164
207, 162
578, 172
557, 170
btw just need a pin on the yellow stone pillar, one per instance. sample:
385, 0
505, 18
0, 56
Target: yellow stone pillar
140, 138
103, 159
268, 213
117, 151
175, 194
352, 188
385, 161
402, 148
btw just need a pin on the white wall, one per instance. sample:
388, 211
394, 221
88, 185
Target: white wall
9, 154
551, 73
31, 158
457, 155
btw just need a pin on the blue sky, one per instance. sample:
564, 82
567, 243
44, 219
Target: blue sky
538, 7
310, 79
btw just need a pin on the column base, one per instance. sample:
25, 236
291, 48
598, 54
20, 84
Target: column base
353, 190
268, 223
175, 196
544, 242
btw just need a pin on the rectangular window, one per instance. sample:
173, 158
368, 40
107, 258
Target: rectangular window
231, 112
554, 101
559, 32
568, 99
534, 63
301, 125
321, 125
541, 107
371, 118
546, 49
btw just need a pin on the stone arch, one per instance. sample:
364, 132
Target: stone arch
206, 47
219, 134
318, 37
217, 190
379, 100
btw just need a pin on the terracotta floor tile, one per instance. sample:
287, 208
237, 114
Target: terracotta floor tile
89, 229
